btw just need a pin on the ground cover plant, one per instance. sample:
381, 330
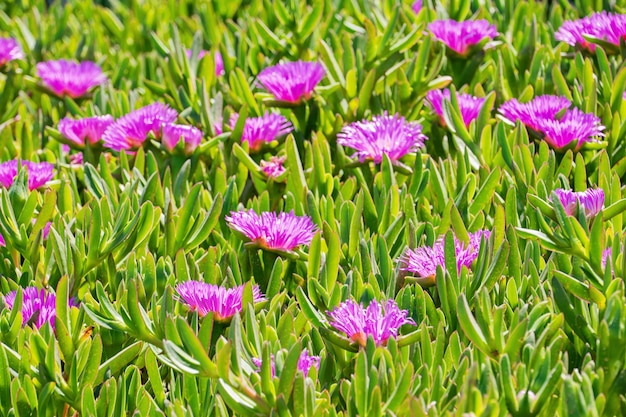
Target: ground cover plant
329, 208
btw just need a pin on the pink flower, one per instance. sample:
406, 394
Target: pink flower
574, 128
293, 81
469, 105
359, 323
9, 50
38, 173
274, 167
383, 135
602, 25
260, 130
591, 201
130, 132
171, 134
208, 298
460, 36
417, 6
424, 260
539, 108
38, 306
87, 130
283, 232
305, 363
217, 58
70, 78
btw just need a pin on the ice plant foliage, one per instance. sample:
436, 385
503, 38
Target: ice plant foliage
292, 82
39, 173
69, 78
208, 298
380, 321
591, 200
606, 26
423, 261
387, 135
38, 306
550, 116
461, 36
129, 132
468, 104
283, 231
172, 133
261, 130
87, 130
305, 362
274, 167
9, 50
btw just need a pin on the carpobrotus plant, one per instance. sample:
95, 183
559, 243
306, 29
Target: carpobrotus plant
292, 82
70, 78
9, 50
460, 37
208, 298
38, 306
469, 105
39, 173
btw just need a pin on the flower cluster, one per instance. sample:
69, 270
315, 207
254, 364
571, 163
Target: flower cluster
38, 306
423, 261
9, 50
283, 232
258, 131
461, 36
387, 135
292, 82
380, 321
305, 363
468, 105
591, 201
208, 298
39, 173
69, 78
551, 117
602, 25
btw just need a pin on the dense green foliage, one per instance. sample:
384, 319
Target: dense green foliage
537, 327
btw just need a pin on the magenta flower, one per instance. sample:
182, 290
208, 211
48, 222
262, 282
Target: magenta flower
591, 201
381, 321
38, 306
293, 81
274, 167
130, 132
2, 242
208, 298
282, 232
423, 261
469, 105
602, 25
460, 36
305, 362
87, 130
260, 130
383, 135
575, 129
607, 254
9, 50
417, 6
539, 108
38, 173
69, 78
171, 134
217, 58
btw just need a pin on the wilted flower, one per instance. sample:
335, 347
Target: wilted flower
602, 25
39, 173
358, 323
274, 167
208, 298
171, 134
283, 232
70, 78
305, 362
130, 131
38, 306
539, 108
469, 105
423, 261
591, 200
260, 130
460, 36
87, 130
383, 135
292, 81
9, 50
575, 127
